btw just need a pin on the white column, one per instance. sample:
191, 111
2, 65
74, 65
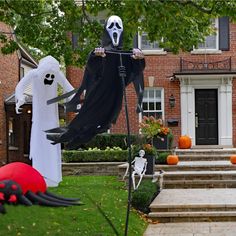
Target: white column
225, 112
187, 109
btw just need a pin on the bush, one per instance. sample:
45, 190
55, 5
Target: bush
161, 158
95, 155
170, 137
102, 141
144, 195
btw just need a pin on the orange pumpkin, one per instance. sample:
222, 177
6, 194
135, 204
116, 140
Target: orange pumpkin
184, 142
233, 159
172, 159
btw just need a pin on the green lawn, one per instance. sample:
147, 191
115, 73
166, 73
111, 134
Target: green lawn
108, 193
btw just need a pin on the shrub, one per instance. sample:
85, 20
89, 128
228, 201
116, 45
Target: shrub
102, 141
144, 195
162, 158
95, 155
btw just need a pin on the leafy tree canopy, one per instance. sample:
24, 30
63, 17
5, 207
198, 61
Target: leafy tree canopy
45, 26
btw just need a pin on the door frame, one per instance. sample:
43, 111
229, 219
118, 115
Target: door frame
188, 84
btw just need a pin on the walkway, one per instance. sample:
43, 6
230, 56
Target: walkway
192, 229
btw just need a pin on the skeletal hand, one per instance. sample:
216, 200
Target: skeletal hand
19, 103
137, 54
100, 52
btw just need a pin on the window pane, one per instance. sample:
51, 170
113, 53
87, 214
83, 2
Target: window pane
145, 106
211, 40
147, 45
145, 95
151, 106
158, 105
158, 93
151, 94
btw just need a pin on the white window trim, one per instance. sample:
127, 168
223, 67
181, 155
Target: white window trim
162, 103
210, 50
150, 51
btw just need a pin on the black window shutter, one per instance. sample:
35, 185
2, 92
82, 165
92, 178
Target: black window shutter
75, 40
135, 41
224, 33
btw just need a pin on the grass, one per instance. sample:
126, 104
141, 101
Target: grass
105, 192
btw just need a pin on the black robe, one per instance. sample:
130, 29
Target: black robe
103, 98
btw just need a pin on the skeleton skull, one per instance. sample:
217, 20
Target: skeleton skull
114, 28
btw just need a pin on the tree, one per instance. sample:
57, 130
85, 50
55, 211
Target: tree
46, 25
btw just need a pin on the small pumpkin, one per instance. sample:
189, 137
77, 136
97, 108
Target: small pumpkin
172, 159
184, 142
233, 159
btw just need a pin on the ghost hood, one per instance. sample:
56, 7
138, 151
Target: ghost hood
48, 69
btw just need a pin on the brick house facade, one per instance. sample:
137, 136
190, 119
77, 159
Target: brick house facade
13, 67
200, 82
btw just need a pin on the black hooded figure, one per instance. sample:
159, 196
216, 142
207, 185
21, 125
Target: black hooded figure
103, 89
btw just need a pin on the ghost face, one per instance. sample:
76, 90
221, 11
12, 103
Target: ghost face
49, 78
114, 28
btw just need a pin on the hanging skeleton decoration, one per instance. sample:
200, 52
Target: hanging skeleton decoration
44, 81
104, 91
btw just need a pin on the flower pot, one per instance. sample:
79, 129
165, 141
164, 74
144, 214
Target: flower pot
150, 164
161, 142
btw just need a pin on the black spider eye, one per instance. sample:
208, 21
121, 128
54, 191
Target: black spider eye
118, 26
111, 25
52, 76
47, 75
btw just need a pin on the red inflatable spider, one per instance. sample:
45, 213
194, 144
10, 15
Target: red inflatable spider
21, 183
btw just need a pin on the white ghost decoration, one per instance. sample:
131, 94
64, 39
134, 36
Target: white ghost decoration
46, 158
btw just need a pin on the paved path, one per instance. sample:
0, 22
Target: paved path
192, 229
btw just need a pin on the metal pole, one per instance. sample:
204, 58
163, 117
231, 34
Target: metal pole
122, 74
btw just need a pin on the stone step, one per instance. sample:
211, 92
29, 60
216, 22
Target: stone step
199, 179
228, 151
188, 175
175, 184
179, 205
203, 157
194, 207
198, 165
197, 216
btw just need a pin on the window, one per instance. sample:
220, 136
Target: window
11, 134
147, 46
211, 41
153, 102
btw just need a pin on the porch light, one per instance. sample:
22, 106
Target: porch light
172, 101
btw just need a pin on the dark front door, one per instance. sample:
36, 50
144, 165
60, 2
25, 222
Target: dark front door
206, 116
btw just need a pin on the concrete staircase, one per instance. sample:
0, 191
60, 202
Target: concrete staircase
201, 187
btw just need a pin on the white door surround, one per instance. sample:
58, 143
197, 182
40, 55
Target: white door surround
221, 82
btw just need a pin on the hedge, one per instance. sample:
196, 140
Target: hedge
95, 156
102, 141
144, 195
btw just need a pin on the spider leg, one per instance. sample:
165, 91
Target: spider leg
61, 198
24, 200
41, 201
69, 203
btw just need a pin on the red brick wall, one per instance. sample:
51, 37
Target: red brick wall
162, 68
9, 76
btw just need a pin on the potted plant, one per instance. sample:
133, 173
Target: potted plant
155, 131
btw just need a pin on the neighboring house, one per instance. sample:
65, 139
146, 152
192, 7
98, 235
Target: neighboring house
14, 129
194, 92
